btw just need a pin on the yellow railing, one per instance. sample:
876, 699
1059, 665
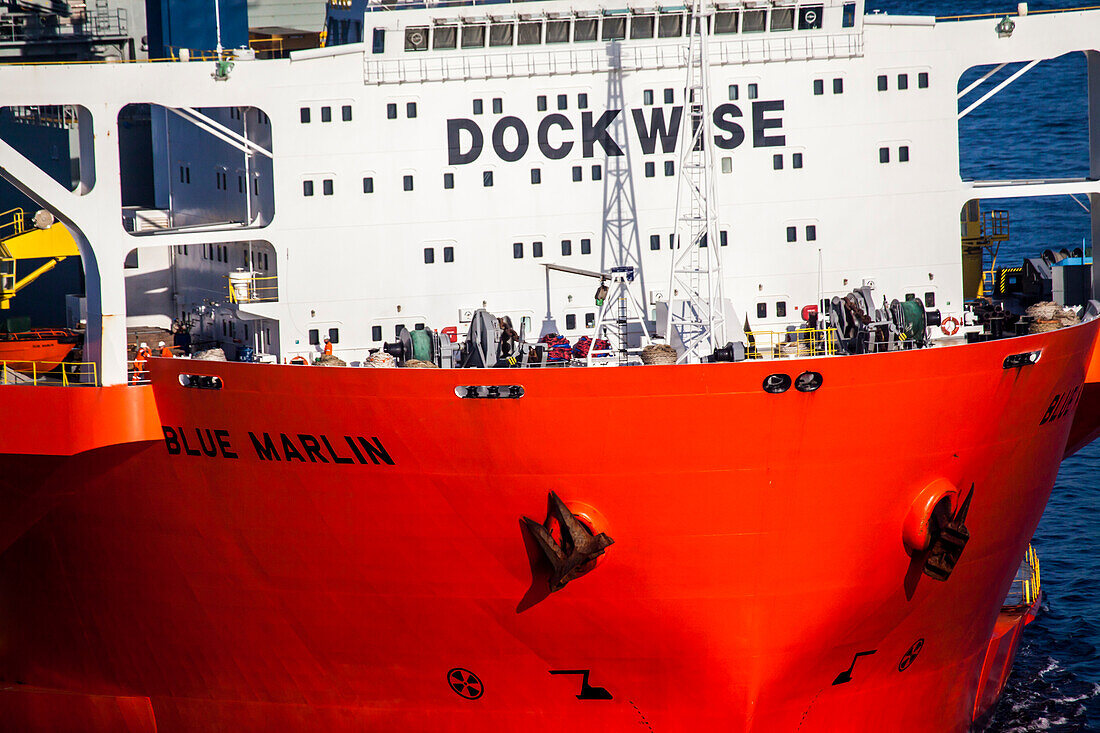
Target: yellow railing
70, 374
253, 289
12, 223
800, 342
273, 45
1026, 587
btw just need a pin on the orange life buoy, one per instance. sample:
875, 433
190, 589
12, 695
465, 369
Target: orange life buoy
950, 326
299, 360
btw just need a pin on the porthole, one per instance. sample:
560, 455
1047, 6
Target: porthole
808, 382
777, 383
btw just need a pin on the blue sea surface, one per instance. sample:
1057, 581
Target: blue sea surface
1038, 127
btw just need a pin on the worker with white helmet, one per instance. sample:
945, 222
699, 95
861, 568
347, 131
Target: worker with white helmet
165, 351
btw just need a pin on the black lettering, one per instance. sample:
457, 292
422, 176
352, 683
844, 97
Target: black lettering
1050, 410
375, 451
265, 452
358, 455
761, 124
213, 449
171, 442
331, 452
311, 447
648, 134
522, 141
1067, 404
289, 450
591, 134
723, 120
455, 156
222, 436
187, 448
544, 136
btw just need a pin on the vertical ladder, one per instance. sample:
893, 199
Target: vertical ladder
696, 313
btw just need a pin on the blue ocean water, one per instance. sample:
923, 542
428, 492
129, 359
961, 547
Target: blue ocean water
1038, 127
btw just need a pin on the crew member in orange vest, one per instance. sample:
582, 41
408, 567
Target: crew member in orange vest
165, 351
143, 353
328, 347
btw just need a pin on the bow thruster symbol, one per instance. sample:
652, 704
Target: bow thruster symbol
578, 548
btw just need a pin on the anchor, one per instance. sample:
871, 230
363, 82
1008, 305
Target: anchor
949, 542
573, 555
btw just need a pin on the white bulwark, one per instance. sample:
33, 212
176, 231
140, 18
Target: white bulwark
436, 166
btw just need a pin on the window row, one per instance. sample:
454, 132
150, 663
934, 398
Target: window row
819, 86
752, 91
780, 309
429, 255
563, 102
326, 187
215, 252
929, 299
778, 161
376, 331
571, 321
902, 81
315, 336
903, 154
498, 106
611, 26
305, 114
566, 248
651, 168
811, 233
655, 240
185, 174
391, 110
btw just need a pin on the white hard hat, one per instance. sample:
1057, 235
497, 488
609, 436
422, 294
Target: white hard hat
144, 345
160, 344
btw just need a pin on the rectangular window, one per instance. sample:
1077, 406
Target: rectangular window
557, 31
647, 96
187, 174
500, 34
754, 21
792, 234
576, 173
922, 80
536, 249
478, 107
903, 154
910, 296
761, 310
429, 255
375, 333
614, 28
416, 39
884, 155
563, 101
517, 250
654, 241
448, 254
566, 247
670, 25
307, 188
819, 86
838, 86
407, 183
781, 309
777, 162
590, 320
410, 109
473, 36
811, 233
391, 111
727, 164
345, 113
487, 179
530, 33
929, 300
725, 22
809, 17
849, 18
448, 180
314, 337
650, 169
326, 114
734, 92
796, 160
326, 187
303, 114
378, 41
540, 102
584, 29
582, 101
723, 238
498, 105
597, 172
670, 168
782, 19
445, 37
586, 246
397, 330
641, 26
903, 81
570, 321
883, 84
668, 96
754, 91
536, 176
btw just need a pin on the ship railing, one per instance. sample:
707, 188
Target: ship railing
253, 289
13, 222
22, 27
978, 16
1025, 588
272, 46
796, 343
49, 373
138, 370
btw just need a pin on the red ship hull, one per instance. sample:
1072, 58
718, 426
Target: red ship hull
758, 578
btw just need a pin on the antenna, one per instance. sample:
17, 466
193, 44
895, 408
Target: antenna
696, 309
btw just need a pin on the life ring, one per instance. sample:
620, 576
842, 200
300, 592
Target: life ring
950, 326
299, 360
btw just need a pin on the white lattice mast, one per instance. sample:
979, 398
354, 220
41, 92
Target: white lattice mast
696, 314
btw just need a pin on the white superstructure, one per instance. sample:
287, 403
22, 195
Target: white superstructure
436, 167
